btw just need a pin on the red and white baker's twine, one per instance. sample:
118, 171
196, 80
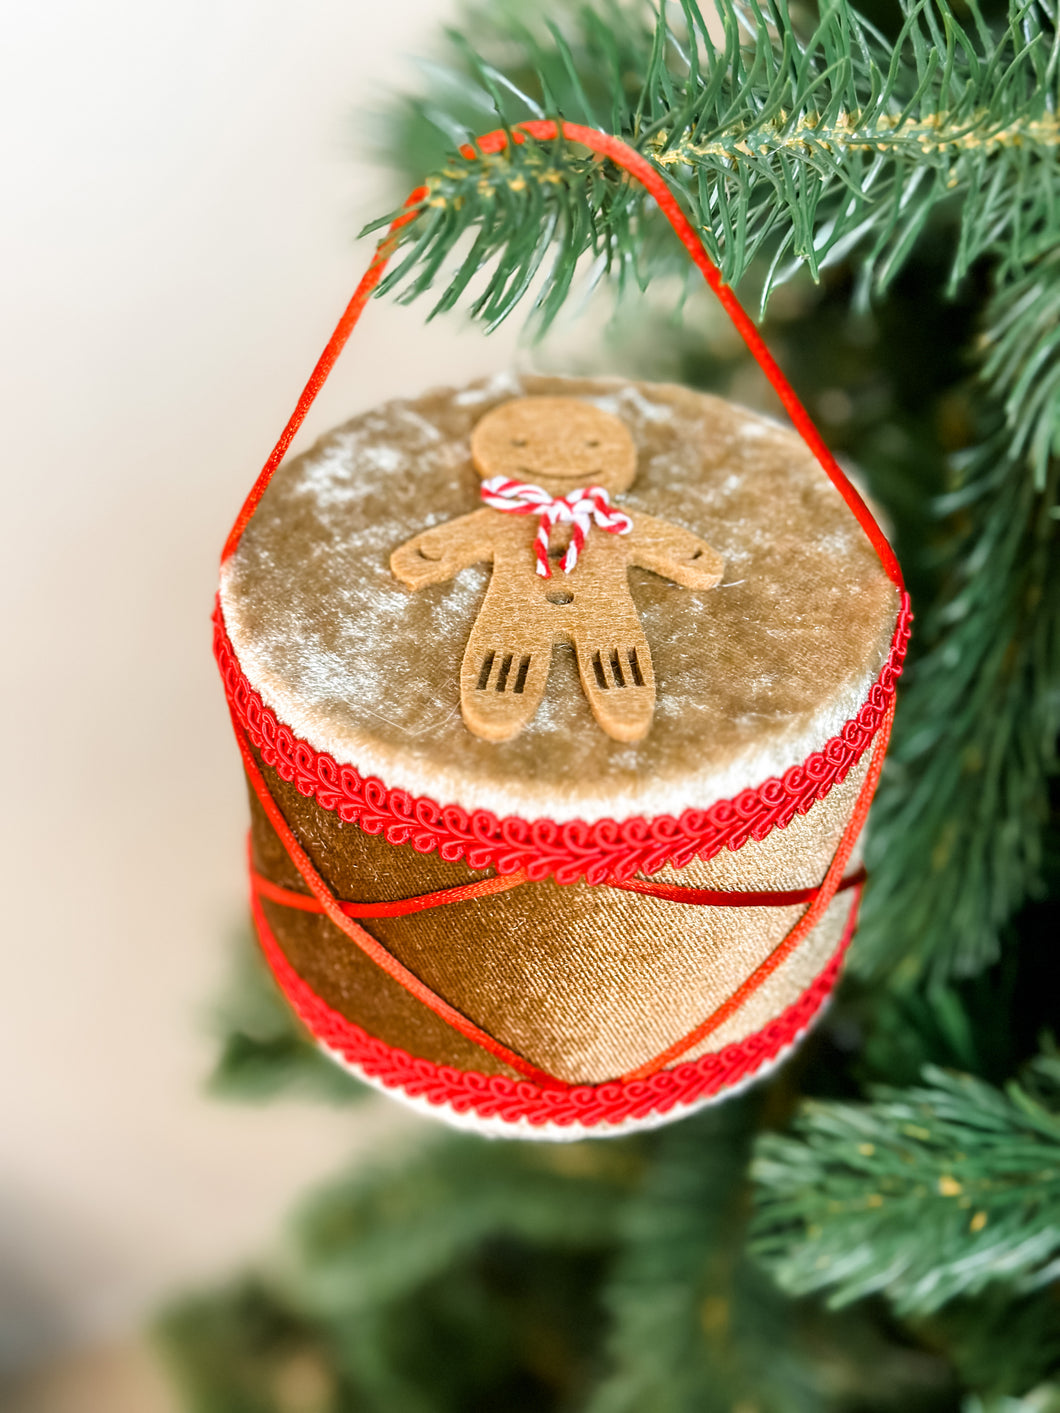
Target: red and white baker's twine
580, 509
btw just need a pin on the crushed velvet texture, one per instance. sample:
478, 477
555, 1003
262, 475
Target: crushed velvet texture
587, 983
751, 676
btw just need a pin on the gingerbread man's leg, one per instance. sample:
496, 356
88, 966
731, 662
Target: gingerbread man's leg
504, 673
614, 661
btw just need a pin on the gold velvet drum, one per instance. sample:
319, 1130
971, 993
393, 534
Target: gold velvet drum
695, 703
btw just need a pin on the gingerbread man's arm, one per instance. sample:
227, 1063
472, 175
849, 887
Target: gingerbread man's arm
674, 552
443, 550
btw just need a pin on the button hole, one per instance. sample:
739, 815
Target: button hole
524, 668
616, 668
598, 668
502, 676
634, 667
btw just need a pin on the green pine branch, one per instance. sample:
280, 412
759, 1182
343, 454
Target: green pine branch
594, 1277
263, 1049
692, 1324
446, 1202
999, 1345
800, 145
975, 748
440, 1236
924, 1195
462, 1276
1043, 1399
957, 828
1020, 358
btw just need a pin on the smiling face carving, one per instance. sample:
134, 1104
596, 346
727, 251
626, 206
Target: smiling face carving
557, 443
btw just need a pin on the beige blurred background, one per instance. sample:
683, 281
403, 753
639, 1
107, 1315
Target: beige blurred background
182, 187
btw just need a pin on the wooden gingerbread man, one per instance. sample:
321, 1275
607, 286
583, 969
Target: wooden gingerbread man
560, 555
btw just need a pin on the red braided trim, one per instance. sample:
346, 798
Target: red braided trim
497, 1096
602, 851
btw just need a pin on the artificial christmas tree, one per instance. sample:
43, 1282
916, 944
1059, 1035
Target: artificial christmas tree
911, 169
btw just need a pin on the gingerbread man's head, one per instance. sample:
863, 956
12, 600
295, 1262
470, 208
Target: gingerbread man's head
557, 443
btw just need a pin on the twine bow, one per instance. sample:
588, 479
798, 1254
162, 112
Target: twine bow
580, 509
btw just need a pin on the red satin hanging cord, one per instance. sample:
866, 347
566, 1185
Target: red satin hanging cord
638, 167
403, 907
716, 898
503, 883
